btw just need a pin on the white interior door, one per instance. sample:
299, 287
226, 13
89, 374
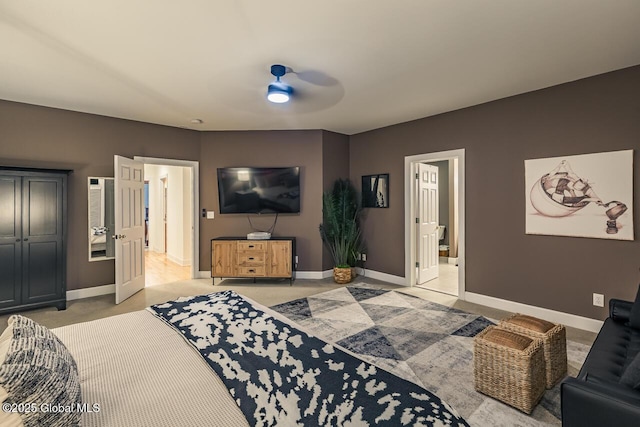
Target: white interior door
129, 226
428, 222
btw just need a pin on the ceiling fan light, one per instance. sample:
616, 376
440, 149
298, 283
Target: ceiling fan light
279, 93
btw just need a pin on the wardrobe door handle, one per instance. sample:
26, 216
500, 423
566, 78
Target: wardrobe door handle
26, 240
17, 240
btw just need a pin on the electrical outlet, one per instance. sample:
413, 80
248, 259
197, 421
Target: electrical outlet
598, 300
363, 256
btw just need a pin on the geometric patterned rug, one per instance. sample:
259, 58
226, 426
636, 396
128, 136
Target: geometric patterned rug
421, 341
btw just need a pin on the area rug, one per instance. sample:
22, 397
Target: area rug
421, 341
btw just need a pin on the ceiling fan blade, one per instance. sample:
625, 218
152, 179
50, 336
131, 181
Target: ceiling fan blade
317, 78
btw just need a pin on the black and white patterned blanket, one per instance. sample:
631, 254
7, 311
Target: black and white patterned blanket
279, 375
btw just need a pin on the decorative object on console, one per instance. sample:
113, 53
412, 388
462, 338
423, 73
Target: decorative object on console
259, 235
375, 191
562, 200
340, 228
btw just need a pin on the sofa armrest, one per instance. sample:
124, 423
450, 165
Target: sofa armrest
620, 310
598, 403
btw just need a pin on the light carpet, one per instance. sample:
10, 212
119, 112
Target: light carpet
424, 342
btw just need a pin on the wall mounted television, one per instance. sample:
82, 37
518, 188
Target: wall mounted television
259, 190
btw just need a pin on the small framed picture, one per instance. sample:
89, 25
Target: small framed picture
375, 191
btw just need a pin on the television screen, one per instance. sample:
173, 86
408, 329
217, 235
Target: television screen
259, 190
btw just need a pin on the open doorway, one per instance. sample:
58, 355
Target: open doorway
172, 251
168, 257
434, 221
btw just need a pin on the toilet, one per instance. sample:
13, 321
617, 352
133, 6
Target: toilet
442, 249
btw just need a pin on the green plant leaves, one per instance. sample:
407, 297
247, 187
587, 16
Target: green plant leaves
340, 228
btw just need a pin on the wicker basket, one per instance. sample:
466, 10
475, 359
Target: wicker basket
341, 275
554, 339
509, 367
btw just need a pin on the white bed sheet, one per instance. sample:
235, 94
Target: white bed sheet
143, 373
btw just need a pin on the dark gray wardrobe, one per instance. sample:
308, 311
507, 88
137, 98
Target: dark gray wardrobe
33, 228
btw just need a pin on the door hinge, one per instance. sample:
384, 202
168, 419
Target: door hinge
417, 220
417, 264
417, 175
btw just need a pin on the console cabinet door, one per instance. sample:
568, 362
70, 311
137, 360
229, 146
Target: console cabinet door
10, 241
279, 258
224, 258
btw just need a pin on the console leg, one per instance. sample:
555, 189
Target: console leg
61, 306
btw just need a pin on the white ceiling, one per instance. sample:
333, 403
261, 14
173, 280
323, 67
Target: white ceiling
361, 64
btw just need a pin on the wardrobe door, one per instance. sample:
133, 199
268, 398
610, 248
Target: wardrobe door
10, 240
42, 244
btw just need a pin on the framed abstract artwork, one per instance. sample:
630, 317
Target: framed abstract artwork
375, 191
586, 195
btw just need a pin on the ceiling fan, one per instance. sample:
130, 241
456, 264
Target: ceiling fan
278, 91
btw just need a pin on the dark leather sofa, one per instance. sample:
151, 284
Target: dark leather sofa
596, 397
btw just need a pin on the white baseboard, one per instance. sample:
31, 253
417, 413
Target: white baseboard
314, 274
180, 261
396, 280
90, 292
566, 319
206, 274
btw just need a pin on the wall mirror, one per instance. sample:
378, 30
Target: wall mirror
101, 219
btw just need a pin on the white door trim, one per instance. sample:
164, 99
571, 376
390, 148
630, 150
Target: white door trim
195, 203
410, 170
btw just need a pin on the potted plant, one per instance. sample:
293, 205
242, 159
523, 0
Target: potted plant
340, 228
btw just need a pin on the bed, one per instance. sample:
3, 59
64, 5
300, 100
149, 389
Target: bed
209, 360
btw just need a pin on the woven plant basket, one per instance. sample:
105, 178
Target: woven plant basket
341, 275
554, 340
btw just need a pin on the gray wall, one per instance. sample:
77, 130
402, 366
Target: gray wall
40, 137
335, 165
264, 148
597, 114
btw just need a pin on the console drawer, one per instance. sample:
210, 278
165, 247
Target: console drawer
251, 271
252, 258
252, 246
